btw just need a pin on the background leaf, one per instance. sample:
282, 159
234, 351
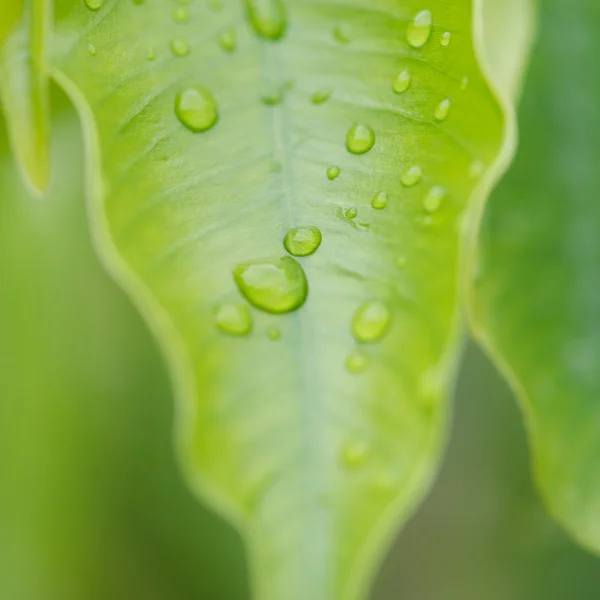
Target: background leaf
305, 455
538, 281
24, 33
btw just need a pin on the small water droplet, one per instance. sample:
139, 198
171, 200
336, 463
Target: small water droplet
446, 39
322, 95
196, 108
228, 40
476, 169
343, 33
380, 200
272, 95
402, 81
354, 454
356, 362
215, 5
371, 322
360, 139
180, 47
93, 4
275, 286
442, 109
419, 30
268, 18
302, 241
351, 213
234, 319
181, 14
434, 198
333, 172
273, 333
92, 50
411, 176
464, 83
151, 54
401, 262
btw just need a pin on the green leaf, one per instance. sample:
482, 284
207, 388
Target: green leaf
24, 35
213, 129
536, 304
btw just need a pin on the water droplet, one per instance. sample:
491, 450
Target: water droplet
380, 200
180, 47
273, 333
196, 108
446, 39
92, 50
360, 139
419, 30
234, 319
371, 322
180, 14
351, 213
402, 81
333, 172
343, 33
464, 83
442, 109
273, 95
322, 95
411, 176
302, 241
401, 262
268, 18
354, 454
276, 286
151, 54
476, 169
356, 362
434, 198
93, 4
228, 40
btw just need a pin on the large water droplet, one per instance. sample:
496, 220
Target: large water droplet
322, 95
434, 198
268, 18
380, 200
354, 454
356, 362
196, 108
302, 241
419, 30
411, 176
371, 322
360, 138
93, 4
276, 286
333, 172
180, 47
234, 319
228, 40
442, 109
402, 81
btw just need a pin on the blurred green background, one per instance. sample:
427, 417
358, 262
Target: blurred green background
91, 503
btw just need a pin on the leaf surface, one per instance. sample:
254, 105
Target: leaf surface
537, 285
212, 130
24, 34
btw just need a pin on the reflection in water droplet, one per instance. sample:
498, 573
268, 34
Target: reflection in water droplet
302, 241
234, 319
419, 30
380, 200
180, 47
442, 109
356, 362
180, 14
446, 39
273, 333
360, 139
411, 176
354, 454
228, 40
93, 4
268, 18
343, 33
351, 213
322, 95
402, 81
371, 322
196, 108
434, 198
275, 286
333, 172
